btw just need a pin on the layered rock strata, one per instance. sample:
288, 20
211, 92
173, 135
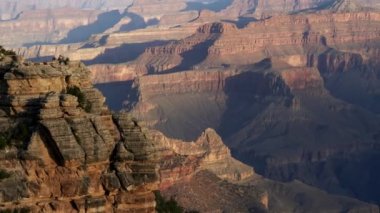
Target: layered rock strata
11, 9
44, 26
65, 151
154, 9
306, 35
182, 160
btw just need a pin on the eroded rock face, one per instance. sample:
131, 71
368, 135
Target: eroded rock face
104, 73
293, 88
182, 160
10, 9
44, 26
72, 155
308, 35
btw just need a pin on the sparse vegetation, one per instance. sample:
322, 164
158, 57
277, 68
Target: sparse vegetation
22, 210
3, 51
4, 140
167, 206
83, 102
22, 132
62, 60
4, 174
17, 136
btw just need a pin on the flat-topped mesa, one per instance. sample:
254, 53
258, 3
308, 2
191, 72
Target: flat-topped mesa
65, 148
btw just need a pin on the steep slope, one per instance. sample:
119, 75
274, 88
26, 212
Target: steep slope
294, 96
203, 176
61, 149
296, 36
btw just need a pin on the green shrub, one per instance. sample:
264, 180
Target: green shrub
17, 136
22, 132
4, 174
3, 142
7, 52
167, 206
5, 139
88, 107
83, 103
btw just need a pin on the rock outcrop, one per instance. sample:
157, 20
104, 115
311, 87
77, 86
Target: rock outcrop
293, 87
182, 160
63, 149
105, 73
202, 176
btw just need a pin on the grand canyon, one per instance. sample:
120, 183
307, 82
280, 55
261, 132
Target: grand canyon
190, 106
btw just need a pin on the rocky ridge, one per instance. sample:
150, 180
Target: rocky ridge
297, 79
73, 155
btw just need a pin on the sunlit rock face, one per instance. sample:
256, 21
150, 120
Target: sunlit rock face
66, 151
292, 95
44, 26
10, 9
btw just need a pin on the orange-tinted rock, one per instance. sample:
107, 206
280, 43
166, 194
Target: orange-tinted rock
70, 144
180, 160
103, 73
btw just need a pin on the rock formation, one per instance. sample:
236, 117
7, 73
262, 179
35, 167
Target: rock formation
181, 160
292, 95
11, 9
63, 149
346, 6
44, 26
202, 176
154, 9
223, 43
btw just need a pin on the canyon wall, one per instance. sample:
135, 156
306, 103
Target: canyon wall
279, 36
154, 9
11, 9
44, 26
212, 81
75, 155
105, 73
